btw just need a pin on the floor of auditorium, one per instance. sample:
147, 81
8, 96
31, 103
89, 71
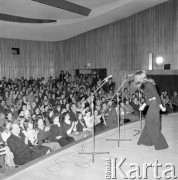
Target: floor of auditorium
69, 164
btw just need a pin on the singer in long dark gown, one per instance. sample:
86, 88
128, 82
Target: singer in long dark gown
151, 134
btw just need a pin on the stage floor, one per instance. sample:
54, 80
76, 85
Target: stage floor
69, 164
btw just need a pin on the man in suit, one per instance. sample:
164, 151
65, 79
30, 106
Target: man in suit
18, 145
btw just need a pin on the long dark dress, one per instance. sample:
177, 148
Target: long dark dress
151, 134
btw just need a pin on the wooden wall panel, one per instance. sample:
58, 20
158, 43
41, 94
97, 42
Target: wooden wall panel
35, 59
122, 47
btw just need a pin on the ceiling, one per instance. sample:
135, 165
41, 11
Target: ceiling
68, 24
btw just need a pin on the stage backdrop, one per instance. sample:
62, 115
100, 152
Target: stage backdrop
166, 83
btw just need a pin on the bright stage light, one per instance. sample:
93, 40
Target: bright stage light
159, 60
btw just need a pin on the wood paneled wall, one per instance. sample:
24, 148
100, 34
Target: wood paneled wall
35, 59
122, 47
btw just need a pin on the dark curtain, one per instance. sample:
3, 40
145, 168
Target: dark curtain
167, 83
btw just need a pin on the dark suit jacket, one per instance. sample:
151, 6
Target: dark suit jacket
58, 131
135, 108
43, 135
22, 152
73, 117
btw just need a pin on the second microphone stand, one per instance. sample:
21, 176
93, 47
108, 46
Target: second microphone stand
93, 153
119, 118
140, 117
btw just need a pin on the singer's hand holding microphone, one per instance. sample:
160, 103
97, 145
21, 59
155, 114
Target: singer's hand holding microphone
162, 108
142, 107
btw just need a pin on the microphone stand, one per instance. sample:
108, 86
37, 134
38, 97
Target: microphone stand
140, 130
119, 118
93, 153
140, 118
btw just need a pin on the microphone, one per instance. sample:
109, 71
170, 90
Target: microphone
106, 79
129, 75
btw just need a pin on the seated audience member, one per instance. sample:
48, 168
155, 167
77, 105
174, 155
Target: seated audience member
58, 133
3, 106
26, 111
9, 117
88, 119
9, 100
20, 122
103, 99
30, 133
14, 112
52, 100
166, 103
67, 106
132, 97
18, 145
37, 114
109, 95
165, 93
73, 112
126, 95
128, 111
70, 127
33, 107
99, 124
2, 119
44, 136
81, 126
46, 115
4, 149
135, 105
50, 117
110, 85
174, 101
57, 110
7, 125
22, 114
105, 109
6, 156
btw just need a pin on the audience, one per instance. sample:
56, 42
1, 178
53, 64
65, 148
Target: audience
42, 115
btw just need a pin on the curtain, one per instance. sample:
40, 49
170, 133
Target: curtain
167, 83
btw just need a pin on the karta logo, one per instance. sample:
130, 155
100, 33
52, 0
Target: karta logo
114, 170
